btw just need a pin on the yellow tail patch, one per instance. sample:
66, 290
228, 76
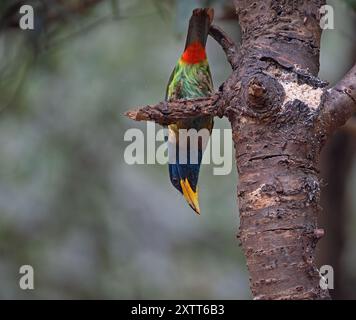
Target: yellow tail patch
190, 195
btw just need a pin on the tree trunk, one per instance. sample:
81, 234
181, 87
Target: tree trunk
277, 156
336, 166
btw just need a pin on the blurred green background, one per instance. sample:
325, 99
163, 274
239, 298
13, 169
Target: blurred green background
91, 225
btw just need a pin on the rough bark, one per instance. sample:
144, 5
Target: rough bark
277, 150
169, 112
281, 115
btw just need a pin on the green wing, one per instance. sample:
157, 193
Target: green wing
169, 82
190, 81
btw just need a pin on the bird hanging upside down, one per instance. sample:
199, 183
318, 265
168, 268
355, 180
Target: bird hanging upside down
191, 78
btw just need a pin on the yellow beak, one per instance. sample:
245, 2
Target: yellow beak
190, 195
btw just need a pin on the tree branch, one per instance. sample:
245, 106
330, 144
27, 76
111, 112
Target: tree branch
350, 126
166, 112
339, 102
76, 8
49, 13
226, 43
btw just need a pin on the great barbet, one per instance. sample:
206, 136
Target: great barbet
191, 78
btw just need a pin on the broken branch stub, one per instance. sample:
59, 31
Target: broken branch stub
168, 112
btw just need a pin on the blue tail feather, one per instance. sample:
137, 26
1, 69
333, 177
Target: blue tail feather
181, 171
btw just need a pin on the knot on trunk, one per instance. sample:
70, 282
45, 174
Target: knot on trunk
264, 96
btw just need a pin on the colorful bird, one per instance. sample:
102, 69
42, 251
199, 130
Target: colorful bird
191, 78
